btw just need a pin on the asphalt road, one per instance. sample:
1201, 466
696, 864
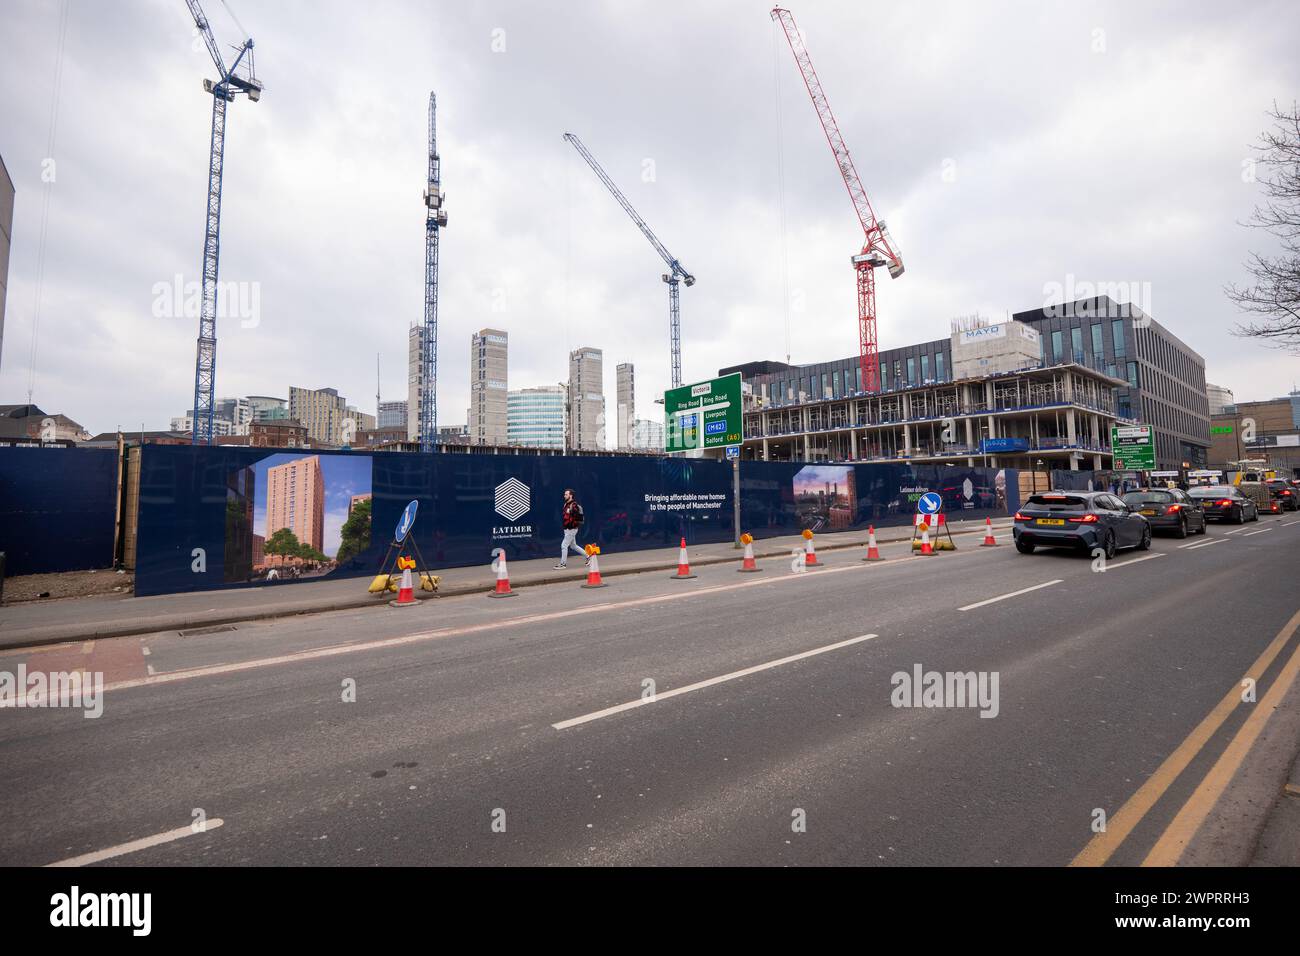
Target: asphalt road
451, 753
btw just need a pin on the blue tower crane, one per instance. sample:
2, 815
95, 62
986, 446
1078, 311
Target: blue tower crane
228, 85
675, 272
435, 219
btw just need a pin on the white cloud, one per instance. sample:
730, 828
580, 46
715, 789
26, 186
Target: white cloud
1121, 165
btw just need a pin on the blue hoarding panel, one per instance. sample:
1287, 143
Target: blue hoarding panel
58, 507
230, 517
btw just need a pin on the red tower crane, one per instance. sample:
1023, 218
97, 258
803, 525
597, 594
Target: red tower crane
877, 248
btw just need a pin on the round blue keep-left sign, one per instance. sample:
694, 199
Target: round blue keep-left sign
405, 522
929, 504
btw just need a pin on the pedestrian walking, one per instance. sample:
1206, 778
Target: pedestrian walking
571, 518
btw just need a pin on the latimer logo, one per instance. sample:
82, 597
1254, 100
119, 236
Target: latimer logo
512, 499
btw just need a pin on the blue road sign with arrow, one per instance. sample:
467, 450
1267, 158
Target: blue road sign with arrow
405, 522
929, 504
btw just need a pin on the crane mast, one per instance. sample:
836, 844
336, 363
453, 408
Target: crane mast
676, 272
435, 218
877, 248
226, 88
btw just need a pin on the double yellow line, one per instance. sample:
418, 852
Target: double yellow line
1169, 847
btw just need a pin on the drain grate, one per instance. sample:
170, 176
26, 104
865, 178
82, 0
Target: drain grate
199, 631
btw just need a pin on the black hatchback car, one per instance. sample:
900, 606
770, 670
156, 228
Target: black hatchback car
1283, 491
1168, 509
1084, 520
1226, 503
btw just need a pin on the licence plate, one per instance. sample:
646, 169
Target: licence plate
1147, 511
1055, 521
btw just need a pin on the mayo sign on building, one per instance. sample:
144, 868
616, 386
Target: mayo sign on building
703, 415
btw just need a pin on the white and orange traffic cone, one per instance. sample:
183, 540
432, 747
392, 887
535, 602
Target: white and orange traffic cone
683, 564
810, 552
748, 564
406, 592
502, 589
873, 552
593, 573
925, 539
989, 540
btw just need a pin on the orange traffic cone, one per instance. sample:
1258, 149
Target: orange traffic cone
503, 577
748, 564
810, 553
989, 540
925, 539
873, 552
683, 564
593, 574
405, 593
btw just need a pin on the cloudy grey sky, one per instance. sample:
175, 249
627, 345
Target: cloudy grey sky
1013, 147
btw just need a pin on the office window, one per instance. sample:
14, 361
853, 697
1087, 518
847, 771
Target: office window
836, 380
925, 368
858, 373
826, 383
911, 371
1076, 343
1117, 336
938, 366
1133, 374
1056, 346
884, 376
1097, 350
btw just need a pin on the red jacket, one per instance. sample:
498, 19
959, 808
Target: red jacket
569, 517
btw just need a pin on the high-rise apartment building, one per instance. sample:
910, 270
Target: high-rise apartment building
392, 414
295, 499
488, 350
267, 408
626, 397
321, 410
414, 380
355, 422
647, 435
535, 417
587, 399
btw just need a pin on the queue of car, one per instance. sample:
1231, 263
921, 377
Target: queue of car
1099, 520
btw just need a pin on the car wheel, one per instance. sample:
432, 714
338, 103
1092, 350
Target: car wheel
1238, 515
1182, 528
1205, 525
1108, 545
1254, 516
1024, 547
1145, 543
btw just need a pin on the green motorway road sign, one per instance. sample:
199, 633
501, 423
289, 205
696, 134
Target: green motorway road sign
1134, 447
703, 415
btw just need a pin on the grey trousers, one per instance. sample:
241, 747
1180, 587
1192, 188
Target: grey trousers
570, 541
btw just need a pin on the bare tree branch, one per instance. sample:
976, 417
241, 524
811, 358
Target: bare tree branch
1274, 294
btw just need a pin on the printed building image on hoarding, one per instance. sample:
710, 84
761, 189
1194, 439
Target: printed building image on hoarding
296, 516
825, 497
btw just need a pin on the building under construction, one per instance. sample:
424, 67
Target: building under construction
983, 396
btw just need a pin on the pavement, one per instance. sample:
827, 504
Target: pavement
757, 719
78, 619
